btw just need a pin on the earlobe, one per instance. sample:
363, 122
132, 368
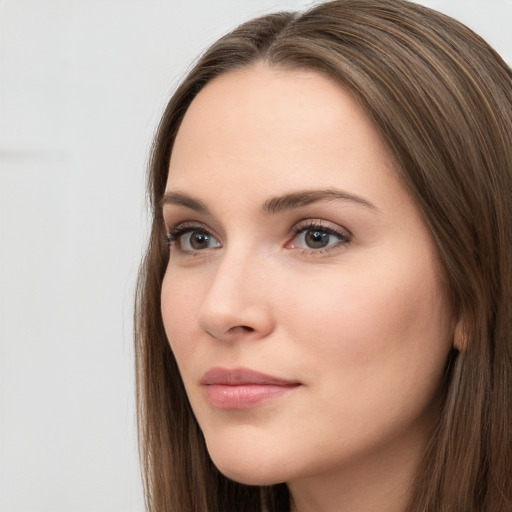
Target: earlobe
460, 337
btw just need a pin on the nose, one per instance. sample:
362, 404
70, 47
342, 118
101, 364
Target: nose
237, 302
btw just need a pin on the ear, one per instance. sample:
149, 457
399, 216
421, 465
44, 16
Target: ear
460, 337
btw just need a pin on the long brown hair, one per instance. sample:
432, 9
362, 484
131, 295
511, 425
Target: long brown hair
442, 99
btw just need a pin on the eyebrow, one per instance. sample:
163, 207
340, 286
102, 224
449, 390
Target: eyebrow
275, 204
183, 200
306, 197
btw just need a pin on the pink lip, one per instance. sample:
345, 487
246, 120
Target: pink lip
242, 388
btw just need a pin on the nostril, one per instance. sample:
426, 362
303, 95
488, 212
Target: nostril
244, 328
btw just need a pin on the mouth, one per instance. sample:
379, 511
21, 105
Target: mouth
243, 388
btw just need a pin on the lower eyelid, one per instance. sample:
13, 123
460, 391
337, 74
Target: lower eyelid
339, 245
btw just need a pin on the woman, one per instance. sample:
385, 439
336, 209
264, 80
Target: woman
323, 315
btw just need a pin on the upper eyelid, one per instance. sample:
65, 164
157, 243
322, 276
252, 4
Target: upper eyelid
322, 224
171, 212
301, 224
193, 224
182, 205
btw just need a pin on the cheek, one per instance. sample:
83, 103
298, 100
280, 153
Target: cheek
179, 313
373, 349
387, 320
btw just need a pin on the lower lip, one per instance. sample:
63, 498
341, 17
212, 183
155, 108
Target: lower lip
244, 396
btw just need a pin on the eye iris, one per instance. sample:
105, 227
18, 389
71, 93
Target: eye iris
316, 239
199, 240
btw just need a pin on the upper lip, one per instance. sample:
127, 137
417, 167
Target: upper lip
242, 376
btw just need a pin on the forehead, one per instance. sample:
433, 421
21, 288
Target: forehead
262, 128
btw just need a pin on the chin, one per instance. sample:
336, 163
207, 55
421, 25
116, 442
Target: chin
248, 469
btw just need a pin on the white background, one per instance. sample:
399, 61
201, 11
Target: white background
82, 84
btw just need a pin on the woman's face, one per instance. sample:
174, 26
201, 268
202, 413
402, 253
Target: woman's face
302, 300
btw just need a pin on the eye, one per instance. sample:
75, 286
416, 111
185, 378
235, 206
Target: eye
189, 239
318, 238
197, 240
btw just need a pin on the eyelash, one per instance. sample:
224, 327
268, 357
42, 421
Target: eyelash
174, 236
344, 238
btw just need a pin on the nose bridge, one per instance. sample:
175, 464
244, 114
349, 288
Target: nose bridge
237, 297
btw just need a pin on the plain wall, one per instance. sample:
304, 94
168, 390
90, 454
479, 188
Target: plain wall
82, 84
